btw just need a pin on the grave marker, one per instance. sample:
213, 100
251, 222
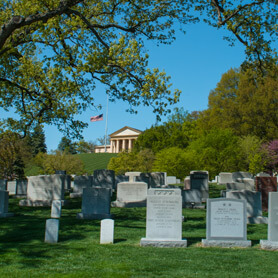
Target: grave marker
106, 231
226, 223
164, 219
272, 234
51, 231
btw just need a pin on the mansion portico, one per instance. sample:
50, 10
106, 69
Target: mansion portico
120, 140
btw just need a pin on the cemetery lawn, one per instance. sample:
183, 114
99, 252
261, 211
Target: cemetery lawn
78, 253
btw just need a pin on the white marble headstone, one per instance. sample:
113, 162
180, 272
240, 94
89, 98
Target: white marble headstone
106, 231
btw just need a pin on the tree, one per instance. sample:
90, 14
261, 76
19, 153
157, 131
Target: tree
66, 145
178, 131
173, 161
36, 140
245, 102
271, 151
14, 153
50, 163
85, 147
54, 53
132, 161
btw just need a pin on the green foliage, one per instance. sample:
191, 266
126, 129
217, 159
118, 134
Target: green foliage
36, 140
54, 53
66, 145
173, 161
217, 151
244, 101
85, 147
177, 132
14, 153
252, 153
49, 163
132, 161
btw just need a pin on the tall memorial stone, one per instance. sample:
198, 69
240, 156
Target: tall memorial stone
4, 204
199, 181
42, 190
11, 187
95, 203
104, 178
272, 234
266, 185
81, 182
226, 223
131, 193
21, 188
164, 218
253, 205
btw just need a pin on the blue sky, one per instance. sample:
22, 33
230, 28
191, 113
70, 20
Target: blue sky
195, 62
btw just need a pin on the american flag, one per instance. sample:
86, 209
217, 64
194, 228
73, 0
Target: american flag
97, 118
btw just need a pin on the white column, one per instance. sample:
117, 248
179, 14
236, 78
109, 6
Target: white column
117, 146
129, 144
124, 144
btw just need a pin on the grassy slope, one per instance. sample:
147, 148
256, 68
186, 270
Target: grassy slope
23, 252
92, 161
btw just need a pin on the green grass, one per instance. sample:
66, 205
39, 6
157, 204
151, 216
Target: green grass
78, 253
95, 161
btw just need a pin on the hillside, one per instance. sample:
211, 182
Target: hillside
94, 161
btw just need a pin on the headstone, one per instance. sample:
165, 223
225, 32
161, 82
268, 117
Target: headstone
171, 180
186, 183
226, 223
225, 177
263, 174
56, 209
3, 185
106, 231
199, 180
131, 193
42, 190
266, 185
104, 178
164, 218
253, 205
192, 198
272, 234
155, 179
95, 203
241, 175
51, 231
81, 182
4, 204
21, 187
244, 185
11, 187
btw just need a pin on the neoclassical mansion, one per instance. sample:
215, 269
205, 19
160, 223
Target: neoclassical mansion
120, 140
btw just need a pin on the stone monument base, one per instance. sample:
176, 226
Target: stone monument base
119, 204
269, 245
38, 203
99, 216
226, 243
163, 243
6, 214
257, 220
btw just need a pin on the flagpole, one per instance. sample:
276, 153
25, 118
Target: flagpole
106, 120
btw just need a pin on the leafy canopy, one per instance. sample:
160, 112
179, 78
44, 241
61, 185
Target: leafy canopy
54, 53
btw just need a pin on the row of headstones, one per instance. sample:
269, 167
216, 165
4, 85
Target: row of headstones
226, 222
262, 183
